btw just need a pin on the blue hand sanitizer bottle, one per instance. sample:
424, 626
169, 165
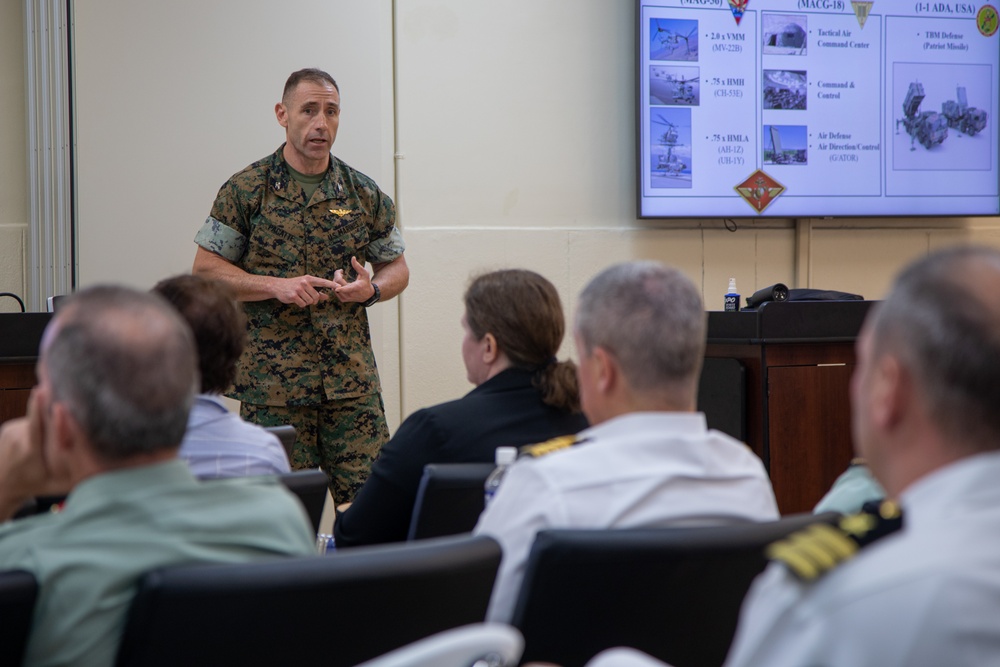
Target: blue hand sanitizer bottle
732, 298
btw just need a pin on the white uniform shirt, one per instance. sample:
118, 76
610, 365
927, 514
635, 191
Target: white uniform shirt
218, 443
638, 470
925, 596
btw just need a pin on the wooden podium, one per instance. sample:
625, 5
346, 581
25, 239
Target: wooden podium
20, 335
791, 366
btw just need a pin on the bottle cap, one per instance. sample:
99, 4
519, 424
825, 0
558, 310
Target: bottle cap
505, 455
732, 285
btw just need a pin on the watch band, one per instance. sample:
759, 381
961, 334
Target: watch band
375, 297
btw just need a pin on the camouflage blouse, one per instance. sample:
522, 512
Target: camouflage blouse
261, 223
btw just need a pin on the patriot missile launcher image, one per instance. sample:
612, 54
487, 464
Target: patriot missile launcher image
928, 127
961, 117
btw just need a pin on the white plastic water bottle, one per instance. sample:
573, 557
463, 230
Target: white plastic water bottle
325, 543
504, 456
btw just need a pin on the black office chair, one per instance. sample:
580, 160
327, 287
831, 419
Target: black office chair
18, 591
450, 499
674, 593
311, 488
286, 434
335, 610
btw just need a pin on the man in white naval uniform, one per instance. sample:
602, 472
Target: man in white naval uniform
925, 399
648, 458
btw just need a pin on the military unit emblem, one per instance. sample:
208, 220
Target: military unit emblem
738, 7
760, 190
861, 11
987, 20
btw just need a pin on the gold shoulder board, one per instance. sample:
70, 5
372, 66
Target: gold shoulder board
819, 548
813, 551
547, 447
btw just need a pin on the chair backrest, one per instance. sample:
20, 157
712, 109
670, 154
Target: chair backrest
18, 591
286, 434
53, 303
496, 644
674, 593
311, 488
339, 609
450, 499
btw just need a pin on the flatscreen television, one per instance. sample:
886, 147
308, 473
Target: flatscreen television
817, 108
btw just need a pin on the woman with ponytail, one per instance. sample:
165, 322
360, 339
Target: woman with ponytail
513, 326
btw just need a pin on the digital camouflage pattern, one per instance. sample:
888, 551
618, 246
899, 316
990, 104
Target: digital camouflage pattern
261, 223
341, 437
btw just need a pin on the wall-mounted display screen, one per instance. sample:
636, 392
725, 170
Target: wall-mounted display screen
817, 108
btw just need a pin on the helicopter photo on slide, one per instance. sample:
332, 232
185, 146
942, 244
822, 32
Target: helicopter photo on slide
670, 150
674, 85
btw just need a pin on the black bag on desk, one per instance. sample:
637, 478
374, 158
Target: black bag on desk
806, 294
779, 292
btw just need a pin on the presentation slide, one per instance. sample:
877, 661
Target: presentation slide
817, 108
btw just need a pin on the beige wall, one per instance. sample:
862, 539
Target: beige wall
173, 98
13, 155
513, 126
516, 129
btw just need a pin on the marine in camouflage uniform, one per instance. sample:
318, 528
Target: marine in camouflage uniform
312, 367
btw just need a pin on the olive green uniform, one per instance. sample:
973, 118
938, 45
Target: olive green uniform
312, 367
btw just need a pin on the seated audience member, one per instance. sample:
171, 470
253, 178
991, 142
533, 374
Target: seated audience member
648, 459
923, 591
116, 377
217, 442
855, 487
513, 326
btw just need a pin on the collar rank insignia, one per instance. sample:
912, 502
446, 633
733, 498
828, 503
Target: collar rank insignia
547, 447
817, 549
340, 212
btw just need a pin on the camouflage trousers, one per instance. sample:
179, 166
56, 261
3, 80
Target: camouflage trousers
341, 437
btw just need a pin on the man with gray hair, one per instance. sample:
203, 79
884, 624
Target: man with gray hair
648, 458
921, 587
117, 374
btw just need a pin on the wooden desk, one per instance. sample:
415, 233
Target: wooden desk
20, 335
798, 358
